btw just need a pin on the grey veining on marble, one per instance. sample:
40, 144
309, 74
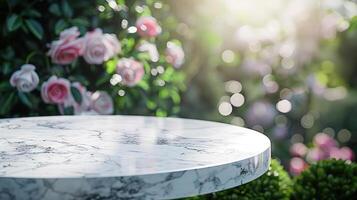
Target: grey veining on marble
125, 157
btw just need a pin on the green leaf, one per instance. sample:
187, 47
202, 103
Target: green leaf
7, 104
25, 99
121, 2
68, 110
175, 96
128, 44
144, 85
35, 27
8, 54
103, 79
66, 9
13, 22
6, 68
161, 113
55, 9
31, 13
60, 26
76, 95
151, 104
111, 66
80, 22
164, 93
5, 86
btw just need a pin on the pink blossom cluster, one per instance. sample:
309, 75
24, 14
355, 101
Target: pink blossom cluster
59, 91
95, 46
324, 147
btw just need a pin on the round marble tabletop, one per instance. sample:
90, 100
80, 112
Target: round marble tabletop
125, 157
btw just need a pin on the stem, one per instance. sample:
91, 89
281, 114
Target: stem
8, 5
28, 58
47, 64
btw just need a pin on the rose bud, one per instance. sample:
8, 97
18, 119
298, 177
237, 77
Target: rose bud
25, 79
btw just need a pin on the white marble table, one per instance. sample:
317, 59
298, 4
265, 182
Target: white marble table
125, 157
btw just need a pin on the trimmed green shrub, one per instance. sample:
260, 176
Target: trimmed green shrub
327, 180
274, 184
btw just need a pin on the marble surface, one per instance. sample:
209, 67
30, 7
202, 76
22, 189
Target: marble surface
125, 157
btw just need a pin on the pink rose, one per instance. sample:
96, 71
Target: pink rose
298, 149
102, 103
55, 90
315, 154
100, 47
150, 49
78, 108
148, 27
114, 44
324, 141
25, 79
69, 34
344, 153
130, 71
297, 165
67, 48
174, 54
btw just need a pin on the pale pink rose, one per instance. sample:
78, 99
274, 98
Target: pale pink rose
130, 71
25, 79
100, 47
114, 44
67, 48
297, 165
344, 153
78, 109
174, 54
150, 49
69, 34
55, 90
102, 103
298, 149
324, 141
147, 26
315, 154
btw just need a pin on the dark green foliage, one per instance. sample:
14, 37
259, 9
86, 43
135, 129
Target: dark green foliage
327, 180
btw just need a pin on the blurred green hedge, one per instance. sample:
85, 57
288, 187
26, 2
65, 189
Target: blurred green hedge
325, 180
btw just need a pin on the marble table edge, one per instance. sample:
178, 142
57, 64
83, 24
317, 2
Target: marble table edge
197, 182
163, 185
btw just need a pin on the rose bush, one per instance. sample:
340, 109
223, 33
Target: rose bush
98, 57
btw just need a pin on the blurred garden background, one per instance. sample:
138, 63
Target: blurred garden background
287, 68
284, 68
